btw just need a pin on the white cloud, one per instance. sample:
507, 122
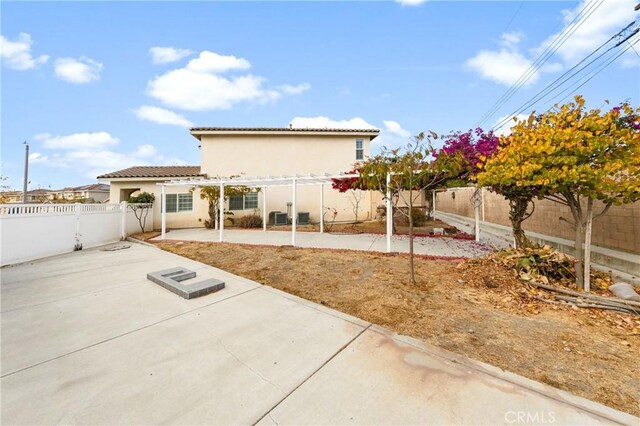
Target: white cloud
16, 54
506, 65
198, 87
211, 62
161, 116
394, 128
288, 89
146, 151
411, 2
96, 140
503, 66
321, 122
166, 55
77, 71
511, 40
505, 129
37, 157
605, 21
92, 154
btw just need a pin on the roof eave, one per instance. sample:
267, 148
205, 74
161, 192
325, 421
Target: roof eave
198, 132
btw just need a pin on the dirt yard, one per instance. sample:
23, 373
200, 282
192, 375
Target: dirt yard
477, 310
377, 227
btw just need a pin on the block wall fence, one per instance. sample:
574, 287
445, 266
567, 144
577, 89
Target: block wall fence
618, 229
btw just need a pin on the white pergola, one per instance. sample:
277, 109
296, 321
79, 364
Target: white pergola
294, 182
263, 183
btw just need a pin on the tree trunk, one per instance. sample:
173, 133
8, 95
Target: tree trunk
517, 212
579, 233
587, 246
213, 223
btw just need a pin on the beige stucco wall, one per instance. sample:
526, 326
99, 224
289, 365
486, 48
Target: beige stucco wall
190, 219
618, 229
277, 155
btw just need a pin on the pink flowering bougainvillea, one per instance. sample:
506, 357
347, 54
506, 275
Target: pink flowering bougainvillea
473, 146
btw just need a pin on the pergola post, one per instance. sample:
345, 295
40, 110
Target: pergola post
389, 213
221, 214
433, 203
476, 208
483, 203
264, 208
163, 206
294, 210
322, 208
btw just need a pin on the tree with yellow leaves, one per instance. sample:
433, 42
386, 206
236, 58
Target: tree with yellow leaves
573, 156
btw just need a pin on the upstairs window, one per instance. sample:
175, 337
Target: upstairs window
359, 149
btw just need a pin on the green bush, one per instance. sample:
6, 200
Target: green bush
143, 198
250, 221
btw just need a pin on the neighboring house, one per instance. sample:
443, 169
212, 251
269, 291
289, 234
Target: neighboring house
232, 151
34, 196
97, 192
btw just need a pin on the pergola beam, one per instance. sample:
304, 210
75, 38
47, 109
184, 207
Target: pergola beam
262, 182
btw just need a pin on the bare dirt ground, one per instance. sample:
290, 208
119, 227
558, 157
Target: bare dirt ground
476, 309
377, 227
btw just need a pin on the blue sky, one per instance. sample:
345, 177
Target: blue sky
99, 86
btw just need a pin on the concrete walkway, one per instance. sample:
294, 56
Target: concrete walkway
433, 246
86, 339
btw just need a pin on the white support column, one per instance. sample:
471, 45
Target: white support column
433, 203
389, 213
294, 211
322, 208
163, 206
483, 203
221, 214
476, 208
123, 220
264, 208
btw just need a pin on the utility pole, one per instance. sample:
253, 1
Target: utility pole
26, 172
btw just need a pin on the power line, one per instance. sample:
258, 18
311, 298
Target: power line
598, 71
568, 75
560, 39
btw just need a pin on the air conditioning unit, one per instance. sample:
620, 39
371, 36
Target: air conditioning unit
272, 217
280, 219
303, 218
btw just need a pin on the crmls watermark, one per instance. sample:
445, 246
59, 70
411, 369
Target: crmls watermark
530, 417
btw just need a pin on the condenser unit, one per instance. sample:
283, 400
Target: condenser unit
280, 218
303, 218
272, 217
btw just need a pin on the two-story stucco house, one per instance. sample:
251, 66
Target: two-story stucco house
232, 151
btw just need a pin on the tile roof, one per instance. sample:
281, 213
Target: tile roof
280, 129
154, 171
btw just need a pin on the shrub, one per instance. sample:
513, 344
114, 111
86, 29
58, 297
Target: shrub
250, 221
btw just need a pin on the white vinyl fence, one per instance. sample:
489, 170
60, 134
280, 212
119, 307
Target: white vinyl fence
33, 231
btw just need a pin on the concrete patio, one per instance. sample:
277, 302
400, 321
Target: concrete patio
433, 246
87, 339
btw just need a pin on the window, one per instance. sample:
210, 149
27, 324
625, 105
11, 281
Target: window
179, 203
247, 201
359, 149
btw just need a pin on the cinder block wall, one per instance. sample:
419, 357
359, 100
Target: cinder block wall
618, 229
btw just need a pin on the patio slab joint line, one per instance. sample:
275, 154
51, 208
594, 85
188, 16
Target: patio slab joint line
127, 333
268, 413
